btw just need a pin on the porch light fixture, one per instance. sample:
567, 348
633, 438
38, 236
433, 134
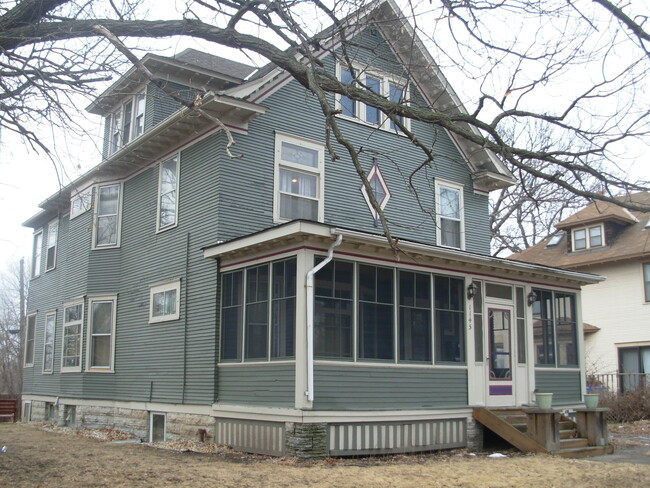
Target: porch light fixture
471, 290
532, 298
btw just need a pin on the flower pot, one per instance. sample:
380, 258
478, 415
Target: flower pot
544, 400
591, 400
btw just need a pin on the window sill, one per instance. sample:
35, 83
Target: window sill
100, 248
164, 229
383, 127
96, 370
165, 318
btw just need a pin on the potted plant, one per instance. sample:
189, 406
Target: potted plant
591, 400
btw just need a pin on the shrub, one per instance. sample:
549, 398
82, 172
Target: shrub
628, 407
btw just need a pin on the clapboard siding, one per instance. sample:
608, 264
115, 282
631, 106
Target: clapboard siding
565, 385
271, 385
374, 388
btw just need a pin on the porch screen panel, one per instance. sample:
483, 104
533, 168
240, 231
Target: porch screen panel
375, 312
521, 326
333, 309
257, 309
414, 316
283, 309
450, 319
543, 336
566, 329
232, 296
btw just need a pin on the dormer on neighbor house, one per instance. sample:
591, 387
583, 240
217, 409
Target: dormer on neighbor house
134, 104
612, 241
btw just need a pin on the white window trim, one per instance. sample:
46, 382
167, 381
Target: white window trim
588, 238
160, 288
89, 367
281, 137
132, 133
177, 157
461, 202
25, 363
151, 414
72, 369
119, 217
36, 270
49, 314
85, 197
386, 80
55, 246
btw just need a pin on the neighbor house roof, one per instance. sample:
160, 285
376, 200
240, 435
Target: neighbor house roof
631, 241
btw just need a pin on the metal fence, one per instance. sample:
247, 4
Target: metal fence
617, 383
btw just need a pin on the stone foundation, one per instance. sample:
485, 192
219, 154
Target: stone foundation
474, 434
306, 441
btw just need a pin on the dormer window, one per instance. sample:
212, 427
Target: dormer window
126, 122
588, 237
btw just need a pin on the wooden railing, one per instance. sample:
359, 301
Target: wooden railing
617, 383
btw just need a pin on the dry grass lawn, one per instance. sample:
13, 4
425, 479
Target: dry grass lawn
37, 458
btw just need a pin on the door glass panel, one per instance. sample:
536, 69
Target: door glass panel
500, 347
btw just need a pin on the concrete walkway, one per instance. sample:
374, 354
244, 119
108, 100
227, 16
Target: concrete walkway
633, 449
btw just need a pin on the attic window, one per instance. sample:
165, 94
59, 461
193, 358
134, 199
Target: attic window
588, 237
555, 240
379, 189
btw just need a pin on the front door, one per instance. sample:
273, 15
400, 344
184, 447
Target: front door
500, 357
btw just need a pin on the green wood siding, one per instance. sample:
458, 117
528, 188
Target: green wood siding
565, 385
270, 385
348, 387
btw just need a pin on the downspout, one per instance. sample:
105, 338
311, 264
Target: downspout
310, 314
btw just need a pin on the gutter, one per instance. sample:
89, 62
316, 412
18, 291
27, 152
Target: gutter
310, 313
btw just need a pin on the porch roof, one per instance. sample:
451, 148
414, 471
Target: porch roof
408, 252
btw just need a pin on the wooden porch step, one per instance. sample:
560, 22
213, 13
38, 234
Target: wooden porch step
495, 422
583, 452
568, 433
575, 442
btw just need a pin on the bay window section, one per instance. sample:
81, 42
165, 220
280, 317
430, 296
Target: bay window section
37, 250
232, 300
168, 193
333, 310
299, 179
52, 236
107, 216
101, 333
376, 303
72, 337
283, 309
414, 316
449, 319
48, 343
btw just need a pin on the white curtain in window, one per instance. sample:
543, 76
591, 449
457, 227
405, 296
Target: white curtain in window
645, 361
298, 183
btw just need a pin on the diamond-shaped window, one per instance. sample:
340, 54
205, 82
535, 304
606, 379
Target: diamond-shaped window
379, 188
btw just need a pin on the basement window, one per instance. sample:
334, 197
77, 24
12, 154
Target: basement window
157, 427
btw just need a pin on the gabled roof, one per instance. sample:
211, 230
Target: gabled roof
632, 242
489, 173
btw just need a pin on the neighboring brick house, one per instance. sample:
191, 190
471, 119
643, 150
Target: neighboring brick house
614, 242
176, 288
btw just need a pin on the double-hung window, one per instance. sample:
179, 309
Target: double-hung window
165, 302
126, 122
52, 235
29, 340
107, 216
72, 337
258, 312
48, 342
37, 251
646, 281
168, 193
298, 179
387, 86
450, 215
588, 237
101, 333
